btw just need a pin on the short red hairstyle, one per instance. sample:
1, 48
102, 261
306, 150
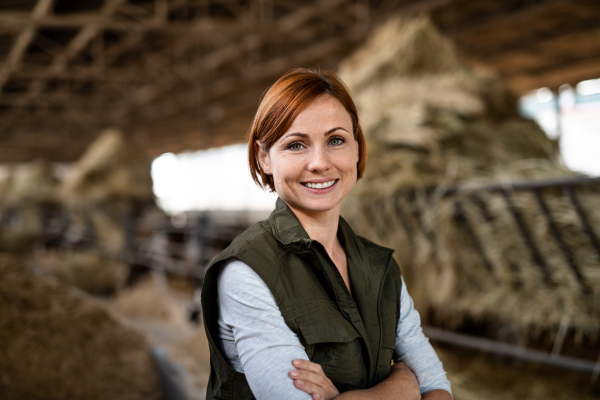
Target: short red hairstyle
282, 103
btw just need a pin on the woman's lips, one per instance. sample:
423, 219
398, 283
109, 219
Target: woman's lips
321, 187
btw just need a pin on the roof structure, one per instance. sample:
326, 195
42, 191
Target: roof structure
188, 74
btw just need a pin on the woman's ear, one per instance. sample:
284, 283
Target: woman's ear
264, 159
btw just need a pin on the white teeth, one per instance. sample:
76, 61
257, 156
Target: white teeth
320, 185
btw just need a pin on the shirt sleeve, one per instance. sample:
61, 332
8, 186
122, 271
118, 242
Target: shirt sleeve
413, 348
266, 346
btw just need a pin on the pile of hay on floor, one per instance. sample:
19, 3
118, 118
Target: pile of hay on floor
160, 309
91, 272
57, 343
431, 121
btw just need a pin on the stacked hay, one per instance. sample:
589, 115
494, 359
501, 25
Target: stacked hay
431, 121
56, 343
428, 117
108, 184
37, 185
88, 271
27, 195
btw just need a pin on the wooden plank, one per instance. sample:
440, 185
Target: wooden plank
22, 42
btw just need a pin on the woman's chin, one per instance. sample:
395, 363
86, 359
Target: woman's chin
314, 206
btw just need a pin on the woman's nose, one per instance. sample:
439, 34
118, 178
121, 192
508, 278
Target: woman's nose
319, 160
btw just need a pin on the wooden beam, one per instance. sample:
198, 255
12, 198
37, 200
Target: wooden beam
571, 73
231, 52
523, 28
225, 87
59, 63
11, 20
22, 42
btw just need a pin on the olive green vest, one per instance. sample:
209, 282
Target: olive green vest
351, 338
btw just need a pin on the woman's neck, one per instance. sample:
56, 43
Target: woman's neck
321, 226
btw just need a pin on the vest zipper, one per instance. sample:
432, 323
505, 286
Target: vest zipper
374, 377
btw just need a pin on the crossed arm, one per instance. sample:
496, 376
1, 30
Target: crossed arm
401, 384
256, 341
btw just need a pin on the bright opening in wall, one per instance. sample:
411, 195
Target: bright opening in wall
589, 87
572, 116
214, 179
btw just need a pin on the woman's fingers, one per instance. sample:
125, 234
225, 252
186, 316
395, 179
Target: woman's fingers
314, 390
313, 377
310, 378
308, 366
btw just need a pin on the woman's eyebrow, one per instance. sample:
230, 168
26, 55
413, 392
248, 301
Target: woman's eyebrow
304, 135
333, 130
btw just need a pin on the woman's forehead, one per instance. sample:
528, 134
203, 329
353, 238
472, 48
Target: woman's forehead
324, 113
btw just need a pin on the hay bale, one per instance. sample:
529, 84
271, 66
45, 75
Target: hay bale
108, 184
431, 121
37, 186
428, 117
110, 171
57, 343
5, 183
447, 275
90, 272
24, 197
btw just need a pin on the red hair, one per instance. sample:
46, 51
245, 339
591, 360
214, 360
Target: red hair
282, 103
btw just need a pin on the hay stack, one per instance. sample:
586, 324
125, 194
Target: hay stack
108, 184
430, 120
5, 183
27, 195
37, 185
428, 117
56, 343
110, 171
88, 271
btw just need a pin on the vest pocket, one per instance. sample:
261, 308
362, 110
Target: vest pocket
332, 342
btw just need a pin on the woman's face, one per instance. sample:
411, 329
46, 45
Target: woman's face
314, 163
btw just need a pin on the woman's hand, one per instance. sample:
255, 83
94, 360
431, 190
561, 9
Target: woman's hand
310, 378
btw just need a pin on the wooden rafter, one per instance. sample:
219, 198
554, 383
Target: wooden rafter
197, 68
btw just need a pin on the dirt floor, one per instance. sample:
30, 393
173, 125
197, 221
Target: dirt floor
158, 308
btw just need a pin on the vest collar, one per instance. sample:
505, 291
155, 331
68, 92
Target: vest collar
288, 230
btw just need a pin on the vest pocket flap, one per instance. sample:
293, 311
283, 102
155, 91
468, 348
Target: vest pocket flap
326, 327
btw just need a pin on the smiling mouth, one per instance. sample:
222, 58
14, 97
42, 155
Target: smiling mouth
323, 185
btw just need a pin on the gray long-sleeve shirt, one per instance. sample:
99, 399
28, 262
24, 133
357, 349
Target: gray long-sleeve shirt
256, 340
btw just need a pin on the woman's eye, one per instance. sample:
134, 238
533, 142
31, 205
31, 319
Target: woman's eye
336, 141
295, 146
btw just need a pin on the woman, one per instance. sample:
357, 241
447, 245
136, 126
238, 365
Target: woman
298, 306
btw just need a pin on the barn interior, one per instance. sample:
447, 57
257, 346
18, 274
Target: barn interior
497, 238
